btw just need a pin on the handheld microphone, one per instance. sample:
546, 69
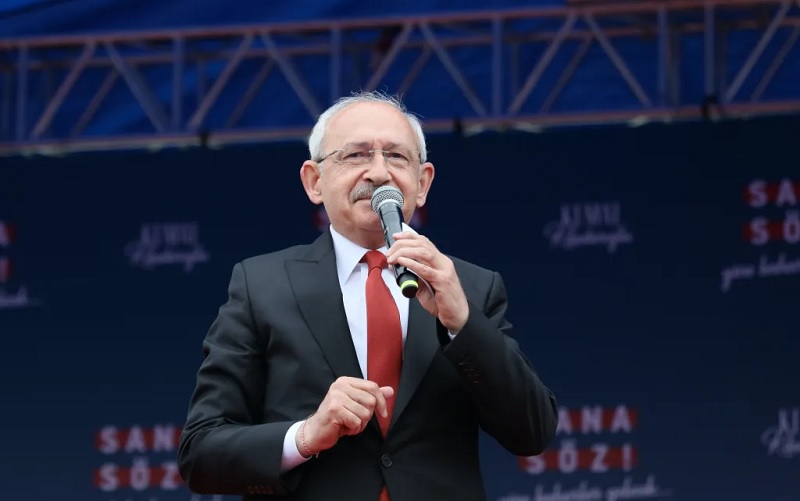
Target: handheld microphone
387, 202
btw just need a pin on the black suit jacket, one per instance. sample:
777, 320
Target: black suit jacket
282, 339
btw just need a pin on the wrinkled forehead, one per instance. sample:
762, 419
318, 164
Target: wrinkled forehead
375, 125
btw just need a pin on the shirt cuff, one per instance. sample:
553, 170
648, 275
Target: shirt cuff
291, 456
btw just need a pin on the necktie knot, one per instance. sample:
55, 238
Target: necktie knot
375, 259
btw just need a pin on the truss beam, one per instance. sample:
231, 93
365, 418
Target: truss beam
500, 69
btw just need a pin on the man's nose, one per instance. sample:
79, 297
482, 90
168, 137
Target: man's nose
378, 171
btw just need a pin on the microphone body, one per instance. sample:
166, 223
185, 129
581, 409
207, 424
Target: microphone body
387, 202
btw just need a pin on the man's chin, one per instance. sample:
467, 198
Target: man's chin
370, 221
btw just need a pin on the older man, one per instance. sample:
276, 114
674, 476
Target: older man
321, 381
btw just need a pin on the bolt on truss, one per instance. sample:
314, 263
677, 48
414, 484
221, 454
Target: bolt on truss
583, 63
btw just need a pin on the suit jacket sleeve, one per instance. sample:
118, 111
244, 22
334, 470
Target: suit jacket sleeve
223, 448
514, 406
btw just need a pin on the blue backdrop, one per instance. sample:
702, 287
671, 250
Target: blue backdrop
651, 274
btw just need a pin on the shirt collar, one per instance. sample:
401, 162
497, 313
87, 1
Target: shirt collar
349, 254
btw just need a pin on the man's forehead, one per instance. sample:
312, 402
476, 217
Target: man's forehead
386, 144
361, 124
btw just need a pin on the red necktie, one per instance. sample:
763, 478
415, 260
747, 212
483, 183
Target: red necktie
384, 337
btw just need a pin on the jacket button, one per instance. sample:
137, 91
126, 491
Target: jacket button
386, 461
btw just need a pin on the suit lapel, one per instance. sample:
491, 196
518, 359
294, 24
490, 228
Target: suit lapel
315, 283
421, 345
316, 288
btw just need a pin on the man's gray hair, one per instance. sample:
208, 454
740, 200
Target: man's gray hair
318, 132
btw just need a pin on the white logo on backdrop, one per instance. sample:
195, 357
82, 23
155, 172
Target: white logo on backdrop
782, 440
589, 224
18, 299
776, 227
597, 440
138, 462
165, 244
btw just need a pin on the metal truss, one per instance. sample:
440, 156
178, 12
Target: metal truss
509, 69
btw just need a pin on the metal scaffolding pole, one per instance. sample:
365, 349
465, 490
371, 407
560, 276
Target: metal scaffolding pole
509, 69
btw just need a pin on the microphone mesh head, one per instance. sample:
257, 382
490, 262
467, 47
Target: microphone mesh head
385, 193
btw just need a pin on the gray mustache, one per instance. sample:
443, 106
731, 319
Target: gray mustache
362, 191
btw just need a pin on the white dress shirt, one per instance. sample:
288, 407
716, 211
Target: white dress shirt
352, 279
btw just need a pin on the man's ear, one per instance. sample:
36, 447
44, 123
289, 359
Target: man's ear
310, 174
425, 180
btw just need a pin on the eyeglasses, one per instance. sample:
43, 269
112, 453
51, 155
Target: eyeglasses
361, 156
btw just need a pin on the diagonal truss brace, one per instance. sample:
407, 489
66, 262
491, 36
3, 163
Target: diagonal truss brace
61, 94
138, 85
758, 50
